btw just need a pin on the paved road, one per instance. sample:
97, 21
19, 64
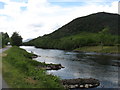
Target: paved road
3, 84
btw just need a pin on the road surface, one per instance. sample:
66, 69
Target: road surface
3, 84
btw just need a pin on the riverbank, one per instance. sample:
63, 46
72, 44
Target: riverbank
99, 49
20, 71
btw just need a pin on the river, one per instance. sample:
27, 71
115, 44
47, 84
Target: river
80, 65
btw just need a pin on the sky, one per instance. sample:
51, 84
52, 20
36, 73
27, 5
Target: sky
33, 18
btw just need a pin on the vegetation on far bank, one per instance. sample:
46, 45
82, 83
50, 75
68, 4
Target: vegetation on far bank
20, 71
75, 41
100, 49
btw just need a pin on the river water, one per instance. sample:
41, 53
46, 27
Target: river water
80, 65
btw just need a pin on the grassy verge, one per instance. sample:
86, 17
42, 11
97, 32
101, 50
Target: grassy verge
99, 49
20, 71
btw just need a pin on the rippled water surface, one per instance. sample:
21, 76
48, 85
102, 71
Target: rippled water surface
80, 65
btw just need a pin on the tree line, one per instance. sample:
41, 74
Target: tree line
103, 38
14, 40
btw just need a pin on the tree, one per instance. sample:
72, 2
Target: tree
4, 38
16, 39
103, 34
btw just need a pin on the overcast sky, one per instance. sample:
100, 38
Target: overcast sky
33, 18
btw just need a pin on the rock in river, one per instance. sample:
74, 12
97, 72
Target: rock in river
51, 66
80, 83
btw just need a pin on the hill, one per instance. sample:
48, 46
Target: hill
91, 23
82, 31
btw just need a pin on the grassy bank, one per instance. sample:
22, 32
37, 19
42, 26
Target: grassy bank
20, 71
100, 49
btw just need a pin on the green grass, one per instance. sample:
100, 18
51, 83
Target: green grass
19, 71
105, 49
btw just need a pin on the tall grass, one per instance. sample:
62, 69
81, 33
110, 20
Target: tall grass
21, 72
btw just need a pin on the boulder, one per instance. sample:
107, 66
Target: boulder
51, 66
80, 83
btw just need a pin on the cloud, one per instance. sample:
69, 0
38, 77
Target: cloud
38, 17
20, 1
90, 1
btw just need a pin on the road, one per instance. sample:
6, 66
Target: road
3, 84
